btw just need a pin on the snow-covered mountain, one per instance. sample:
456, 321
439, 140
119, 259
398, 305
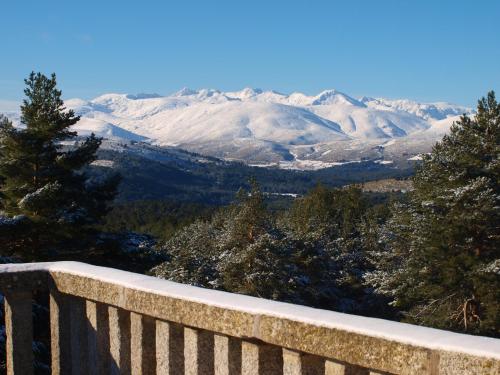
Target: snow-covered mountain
265, 126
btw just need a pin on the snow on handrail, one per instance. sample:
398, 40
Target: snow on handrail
269, 321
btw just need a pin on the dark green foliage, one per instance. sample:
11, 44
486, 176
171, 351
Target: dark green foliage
310, 255
160, 219
216, 182
341, 222
256, 257
44, 185
192, 256
442, 266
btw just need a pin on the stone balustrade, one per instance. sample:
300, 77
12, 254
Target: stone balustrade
106, 321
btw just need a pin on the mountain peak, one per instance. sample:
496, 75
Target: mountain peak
143, 96
333, 96
185, 91
246, 93
252, 124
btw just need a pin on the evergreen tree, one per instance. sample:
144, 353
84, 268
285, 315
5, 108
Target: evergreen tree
43, 180
192, 256
312, 256
338, 224
442, 266
250, 218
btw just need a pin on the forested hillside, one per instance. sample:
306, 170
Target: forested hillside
430, 256
421, 249
164, 174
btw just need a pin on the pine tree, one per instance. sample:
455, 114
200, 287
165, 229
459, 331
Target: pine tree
4, 123
44, 181
250, 217
334, 222
192, 256
443, 263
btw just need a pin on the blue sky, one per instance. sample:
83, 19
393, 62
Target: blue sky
423, 50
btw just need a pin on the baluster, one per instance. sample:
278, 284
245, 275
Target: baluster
169, 348
227, 355
79, 337
296, 363
119, 340
198, 352
143, 352
261, 359
60, 332
336, 368
97, 338
19, 332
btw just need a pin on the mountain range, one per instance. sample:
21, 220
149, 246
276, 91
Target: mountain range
267, 128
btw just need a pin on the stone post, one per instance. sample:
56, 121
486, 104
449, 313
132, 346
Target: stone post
169, 348
60, 333
296, 363
119, 340
227, 355
337, 368
19, 332
142, 340
79, 337
198, 352
98, 338
261, 359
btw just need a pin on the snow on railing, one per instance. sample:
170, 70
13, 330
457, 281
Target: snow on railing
103, 320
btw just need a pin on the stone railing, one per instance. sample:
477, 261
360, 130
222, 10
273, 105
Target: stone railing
105, 321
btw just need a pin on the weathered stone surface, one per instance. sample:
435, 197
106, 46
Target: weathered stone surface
97, 338
337, 368
296, 363
334, 368
19, 332
356, 343
177, 310
227, 355
198, 352
143, 352
60, 333
79, 336
119, 340
261, 359
292, 363
169, 348
345, 346
459, 363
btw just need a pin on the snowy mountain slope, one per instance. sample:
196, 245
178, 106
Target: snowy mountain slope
87, 126
267, 126
209, 116
364, 122
426, 111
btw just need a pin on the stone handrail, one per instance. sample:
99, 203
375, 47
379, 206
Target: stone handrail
106, 321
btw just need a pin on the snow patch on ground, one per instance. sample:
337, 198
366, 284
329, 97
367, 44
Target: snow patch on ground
301, 164
103, 163
293, 195
415, 158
